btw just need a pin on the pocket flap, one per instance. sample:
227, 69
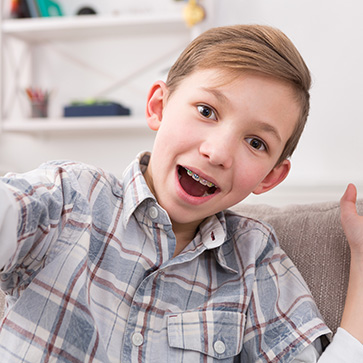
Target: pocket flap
216, 333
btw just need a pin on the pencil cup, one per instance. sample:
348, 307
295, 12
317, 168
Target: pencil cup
39, 109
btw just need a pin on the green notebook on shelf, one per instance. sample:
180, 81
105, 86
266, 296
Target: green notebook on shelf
49, 8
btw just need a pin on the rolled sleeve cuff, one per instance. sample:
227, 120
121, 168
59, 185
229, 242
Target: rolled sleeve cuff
8, 225
343, 349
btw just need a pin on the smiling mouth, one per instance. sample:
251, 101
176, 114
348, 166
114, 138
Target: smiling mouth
195, 185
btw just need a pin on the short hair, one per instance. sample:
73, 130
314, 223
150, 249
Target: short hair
249, 48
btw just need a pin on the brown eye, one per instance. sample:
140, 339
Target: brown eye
206, 112
256, 143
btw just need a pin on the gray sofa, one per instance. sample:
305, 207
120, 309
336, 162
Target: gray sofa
312, 236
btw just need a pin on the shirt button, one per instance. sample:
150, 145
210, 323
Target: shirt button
219, 347
137, 339
153, 212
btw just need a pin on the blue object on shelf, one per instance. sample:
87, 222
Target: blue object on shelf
96, 109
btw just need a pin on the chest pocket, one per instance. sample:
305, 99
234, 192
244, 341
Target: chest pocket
218, 334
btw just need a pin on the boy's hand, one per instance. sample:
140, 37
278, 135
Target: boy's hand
352, 320
352, 222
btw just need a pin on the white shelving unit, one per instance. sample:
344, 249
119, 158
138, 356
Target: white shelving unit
38, 125
35, 31
63, 28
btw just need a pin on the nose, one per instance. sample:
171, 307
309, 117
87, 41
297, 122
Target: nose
218, 150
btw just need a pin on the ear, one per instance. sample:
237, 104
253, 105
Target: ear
274, 178
156, 100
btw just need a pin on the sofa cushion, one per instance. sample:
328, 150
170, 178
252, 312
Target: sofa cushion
313, 238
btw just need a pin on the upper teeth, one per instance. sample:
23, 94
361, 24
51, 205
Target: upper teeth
197, 178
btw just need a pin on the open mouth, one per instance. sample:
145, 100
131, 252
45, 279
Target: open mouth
195, 185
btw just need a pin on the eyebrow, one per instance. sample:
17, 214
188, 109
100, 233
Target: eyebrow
217, 94
264, 126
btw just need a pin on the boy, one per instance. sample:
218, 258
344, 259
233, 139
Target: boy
152, 267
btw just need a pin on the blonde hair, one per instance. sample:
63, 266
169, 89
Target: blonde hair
249, 48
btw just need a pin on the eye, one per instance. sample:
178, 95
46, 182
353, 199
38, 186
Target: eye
256, 143
207, 112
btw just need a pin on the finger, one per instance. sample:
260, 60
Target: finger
350, 193
349, 197
348, 202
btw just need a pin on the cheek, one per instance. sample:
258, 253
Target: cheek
249, 175
177, 134
244, 179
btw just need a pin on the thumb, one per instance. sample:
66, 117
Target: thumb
352, 222
347, 202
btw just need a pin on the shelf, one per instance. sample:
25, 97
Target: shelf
90, 26
33, 31
98, 124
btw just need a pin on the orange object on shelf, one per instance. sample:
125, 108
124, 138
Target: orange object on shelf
193, 13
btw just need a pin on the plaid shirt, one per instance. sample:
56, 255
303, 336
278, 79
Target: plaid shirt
93, 279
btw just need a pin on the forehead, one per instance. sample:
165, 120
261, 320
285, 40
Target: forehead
217, 77
228, 83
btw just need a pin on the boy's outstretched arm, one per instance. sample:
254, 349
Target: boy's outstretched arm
8, 225
352, 320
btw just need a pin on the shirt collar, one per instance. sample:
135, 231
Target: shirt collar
213, 230
135, 188
214, 236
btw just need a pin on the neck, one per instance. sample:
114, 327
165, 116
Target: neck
184, 234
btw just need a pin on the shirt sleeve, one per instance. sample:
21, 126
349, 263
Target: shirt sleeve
8, 225
343, 349
49, 207
282, 318
310, 354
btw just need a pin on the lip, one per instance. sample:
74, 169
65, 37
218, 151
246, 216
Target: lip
189, 198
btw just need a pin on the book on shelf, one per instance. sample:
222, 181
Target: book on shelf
35, 8
19, 9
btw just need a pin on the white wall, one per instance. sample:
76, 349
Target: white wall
329, 34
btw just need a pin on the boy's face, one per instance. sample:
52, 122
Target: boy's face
216, 143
